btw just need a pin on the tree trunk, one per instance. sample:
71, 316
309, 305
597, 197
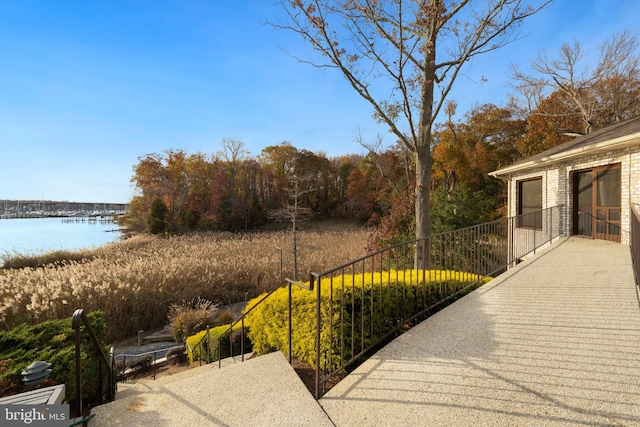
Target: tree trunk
423, 205
423, 145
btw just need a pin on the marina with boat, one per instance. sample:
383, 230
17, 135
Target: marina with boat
92, 211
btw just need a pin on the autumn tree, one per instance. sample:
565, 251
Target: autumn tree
466, 151
361, 199
157, 223
164, 177
279, 162
597, 96
202, 173
552, 123
403, 58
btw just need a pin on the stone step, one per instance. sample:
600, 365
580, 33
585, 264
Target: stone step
133, 386
263, 391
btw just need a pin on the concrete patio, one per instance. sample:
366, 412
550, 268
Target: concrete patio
554, 341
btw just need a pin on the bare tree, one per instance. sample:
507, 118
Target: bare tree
294, 213
232, 155
373, 150
605, 92
403, 57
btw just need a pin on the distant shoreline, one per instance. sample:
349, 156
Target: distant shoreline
58, 215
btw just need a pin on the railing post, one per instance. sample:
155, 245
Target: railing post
534, 238
242, 338
231, 340
209, 346
318, 321
112, 370
290, 326
78, 368
550, 225
100, 382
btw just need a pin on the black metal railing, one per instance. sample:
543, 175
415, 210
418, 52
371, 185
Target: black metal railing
362, 304
203, 349
634, 240
355, 316
127, 364
78, 319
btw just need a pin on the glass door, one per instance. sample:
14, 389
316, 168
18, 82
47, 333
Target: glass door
596, 197
583, 191
607, 207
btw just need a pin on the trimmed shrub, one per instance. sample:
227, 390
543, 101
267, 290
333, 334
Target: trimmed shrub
203, 348
395, 295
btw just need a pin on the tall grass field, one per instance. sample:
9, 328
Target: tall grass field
134, 281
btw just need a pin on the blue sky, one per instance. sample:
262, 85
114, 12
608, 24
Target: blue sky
88, 87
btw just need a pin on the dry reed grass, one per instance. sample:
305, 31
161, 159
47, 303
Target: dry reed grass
136, 280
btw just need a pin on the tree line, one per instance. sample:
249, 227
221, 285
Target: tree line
569, 94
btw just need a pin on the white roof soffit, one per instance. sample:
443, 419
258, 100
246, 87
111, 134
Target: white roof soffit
610, 145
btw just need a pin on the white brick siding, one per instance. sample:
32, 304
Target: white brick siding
557, 184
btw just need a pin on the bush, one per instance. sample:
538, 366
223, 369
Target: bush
190, 317
176, 355
201, 347
141, 364
395, 294
54, 342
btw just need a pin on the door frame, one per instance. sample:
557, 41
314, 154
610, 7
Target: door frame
600, 216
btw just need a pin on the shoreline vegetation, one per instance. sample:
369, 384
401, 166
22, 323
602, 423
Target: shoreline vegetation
134, 281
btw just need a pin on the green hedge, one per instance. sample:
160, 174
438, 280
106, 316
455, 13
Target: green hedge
54, 342
198, 344
372, 303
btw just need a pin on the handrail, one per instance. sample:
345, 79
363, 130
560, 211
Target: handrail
147, 352
138, 355
241, 320
231, 326
472, 253
79, 317
205, 336
423, 283
634, 242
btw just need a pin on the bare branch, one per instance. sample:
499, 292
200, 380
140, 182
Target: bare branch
597, 94
386, 49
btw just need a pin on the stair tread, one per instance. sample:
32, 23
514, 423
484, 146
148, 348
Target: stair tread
261, 391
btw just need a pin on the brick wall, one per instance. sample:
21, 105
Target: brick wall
557, 180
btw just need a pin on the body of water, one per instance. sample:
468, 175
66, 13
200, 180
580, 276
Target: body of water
35, 235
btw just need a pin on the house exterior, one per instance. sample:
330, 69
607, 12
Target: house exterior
595, 178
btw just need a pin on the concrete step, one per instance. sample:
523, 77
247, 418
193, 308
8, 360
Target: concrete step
133, 386
263, 391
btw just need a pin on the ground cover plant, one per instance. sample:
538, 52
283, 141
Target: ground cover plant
52, 342
362, 308
135, 281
